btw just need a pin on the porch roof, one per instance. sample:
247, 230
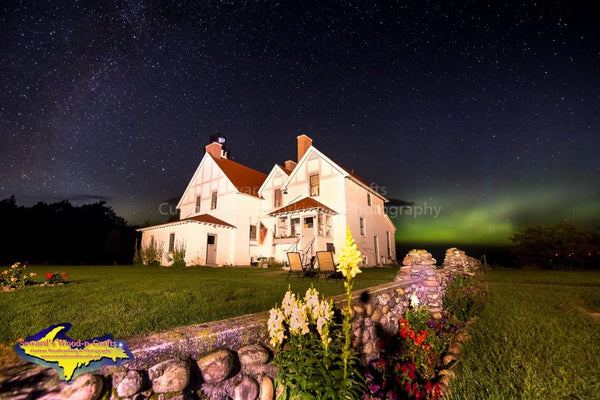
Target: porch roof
307, 203
203, 219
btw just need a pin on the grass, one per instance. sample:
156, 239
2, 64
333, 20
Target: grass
127, 300
537, 338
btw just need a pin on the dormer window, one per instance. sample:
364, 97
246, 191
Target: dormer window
314, 185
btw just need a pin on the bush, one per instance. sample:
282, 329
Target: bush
15, 276
177, 256
55, 277
465, 297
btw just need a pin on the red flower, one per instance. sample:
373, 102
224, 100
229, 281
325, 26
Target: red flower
64, 275
49, 275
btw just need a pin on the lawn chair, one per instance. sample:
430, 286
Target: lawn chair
296, 266
327, 266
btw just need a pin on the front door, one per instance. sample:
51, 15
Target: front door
211, 249
376, 244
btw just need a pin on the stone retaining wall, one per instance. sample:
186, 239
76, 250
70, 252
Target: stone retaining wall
232, 359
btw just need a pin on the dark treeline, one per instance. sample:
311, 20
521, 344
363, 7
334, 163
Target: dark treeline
61, 233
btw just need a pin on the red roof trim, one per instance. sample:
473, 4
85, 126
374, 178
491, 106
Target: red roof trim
208, 219
305, 204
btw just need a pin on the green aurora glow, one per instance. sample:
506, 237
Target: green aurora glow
492, 222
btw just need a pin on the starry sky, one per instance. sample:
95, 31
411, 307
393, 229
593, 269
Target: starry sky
485, 115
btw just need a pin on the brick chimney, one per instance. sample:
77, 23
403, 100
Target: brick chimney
290, 165
215, 149
304, 142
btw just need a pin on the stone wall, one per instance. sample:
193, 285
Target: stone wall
232, 359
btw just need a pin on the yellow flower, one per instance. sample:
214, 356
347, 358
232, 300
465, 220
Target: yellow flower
32, 274
13, 279
15, 265
350, 258
5, 272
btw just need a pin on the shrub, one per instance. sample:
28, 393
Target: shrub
465, 297
151, 256
55, 277
177, 256
15, 276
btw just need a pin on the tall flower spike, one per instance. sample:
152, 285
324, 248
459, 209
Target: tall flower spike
350, 258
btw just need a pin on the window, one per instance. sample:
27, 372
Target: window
252, 232
314, 185
308, 222
362, 226
389, 244
171, 242
152, 241
369, 199
197, 204
295, 225
282, 226
213, 201
277, 198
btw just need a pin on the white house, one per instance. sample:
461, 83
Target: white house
232, 215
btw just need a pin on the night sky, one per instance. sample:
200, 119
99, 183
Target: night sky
488, 112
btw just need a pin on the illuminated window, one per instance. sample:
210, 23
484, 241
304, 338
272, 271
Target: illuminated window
277, 198
197, 204
314, 185
362, 226
213, 201
171, 242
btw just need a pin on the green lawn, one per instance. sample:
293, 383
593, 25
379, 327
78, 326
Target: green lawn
126, 300
536, 340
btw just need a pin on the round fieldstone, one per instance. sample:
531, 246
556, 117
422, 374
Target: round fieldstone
376, 315
266, 388
253, 354
216, 366
247, 389
84, 387
131, 384
169, 376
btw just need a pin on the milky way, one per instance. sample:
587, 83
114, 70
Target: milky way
488, 112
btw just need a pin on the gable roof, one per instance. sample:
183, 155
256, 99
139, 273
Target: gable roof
307, 203
284, 169
202, 219
245, 179
347, 173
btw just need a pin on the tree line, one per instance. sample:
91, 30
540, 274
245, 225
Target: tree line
562, 246
61, 233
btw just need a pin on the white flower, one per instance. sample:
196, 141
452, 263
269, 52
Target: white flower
414, 301
275, 327
298, 319
311, 300
289, 303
